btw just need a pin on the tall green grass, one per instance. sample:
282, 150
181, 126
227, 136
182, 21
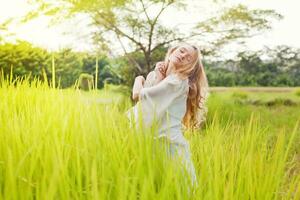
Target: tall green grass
297, 92
68, 144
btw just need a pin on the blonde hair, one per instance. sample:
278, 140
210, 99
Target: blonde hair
198, 89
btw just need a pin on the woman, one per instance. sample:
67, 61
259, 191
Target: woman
173, 96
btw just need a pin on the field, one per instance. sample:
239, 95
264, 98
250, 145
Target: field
69, 144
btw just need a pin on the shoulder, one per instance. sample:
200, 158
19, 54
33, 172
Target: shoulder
150, 79
151, 74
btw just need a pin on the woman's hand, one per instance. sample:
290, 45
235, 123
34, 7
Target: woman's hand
161, 69
140, 78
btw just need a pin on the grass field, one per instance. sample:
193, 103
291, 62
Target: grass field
69, 144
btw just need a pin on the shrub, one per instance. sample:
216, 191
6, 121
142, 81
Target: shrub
86, 81
240, 95
279, 101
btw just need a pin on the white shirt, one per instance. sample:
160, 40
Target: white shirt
165, 104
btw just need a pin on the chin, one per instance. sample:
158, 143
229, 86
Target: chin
174, 62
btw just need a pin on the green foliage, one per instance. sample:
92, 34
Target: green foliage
240, 95
270, 103
281, 101
86, 82
68, 66
282, 68
24, 59
219, 77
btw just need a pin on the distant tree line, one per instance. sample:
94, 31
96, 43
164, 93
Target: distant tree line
23, 59
269, 67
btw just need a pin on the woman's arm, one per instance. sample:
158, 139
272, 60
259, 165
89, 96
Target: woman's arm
153, 78
155, 100
137, 86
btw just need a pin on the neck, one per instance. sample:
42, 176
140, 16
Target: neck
170, 69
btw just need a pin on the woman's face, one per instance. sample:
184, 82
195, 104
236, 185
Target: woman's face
183, 55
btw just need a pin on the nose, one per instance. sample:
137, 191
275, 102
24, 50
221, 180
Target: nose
182, 55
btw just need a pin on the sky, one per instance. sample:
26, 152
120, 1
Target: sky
285, 32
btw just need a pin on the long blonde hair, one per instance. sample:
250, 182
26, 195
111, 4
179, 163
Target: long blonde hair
198, 89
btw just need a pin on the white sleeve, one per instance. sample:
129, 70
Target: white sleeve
150, 79
155, 100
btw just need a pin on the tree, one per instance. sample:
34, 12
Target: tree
287, 61
24, 59
104, 72
137, 24
68, 66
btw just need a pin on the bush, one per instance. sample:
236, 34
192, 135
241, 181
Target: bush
279, 101
86, 81
240, 95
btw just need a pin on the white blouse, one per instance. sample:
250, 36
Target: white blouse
163, 103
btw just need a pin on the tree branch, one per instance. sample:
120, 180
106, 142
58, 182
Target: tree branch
114, 28
128, 56
145, 11
152, 26
175, 39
